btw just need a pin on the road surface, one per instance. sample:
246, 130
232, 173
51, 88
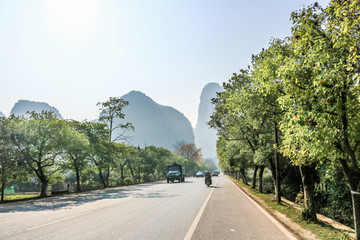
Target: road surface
158, 211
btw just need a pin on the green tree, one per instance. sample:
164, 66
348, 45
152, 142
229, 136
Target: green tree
244, 113
322, 92
77, 149
10, 164
100, 149
234, 157
134, 163
111, 114
37, 140
121, 158
150, 158
270, 87
163, 159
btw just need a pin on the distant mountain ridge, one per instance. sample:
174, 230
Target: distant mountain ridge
205, 138
155, 124
23, 106
2, 115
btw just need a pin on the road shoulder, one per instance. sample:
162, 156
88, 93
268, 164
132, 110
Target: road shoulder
231, 214
282, 218
293, 226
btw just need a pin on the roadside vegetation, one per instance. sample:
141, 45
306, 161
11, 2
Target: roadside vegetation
15, 197
294, 114
42, 154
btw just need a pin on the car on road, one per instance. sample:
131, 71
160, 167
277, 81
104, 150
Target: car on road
199, 174
215, 174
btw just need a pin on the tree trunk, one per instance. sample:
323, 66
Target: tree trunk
39, 171
273, 174
353, 180
78, 189
132, 173
254, 177
139, 173
2, 192
102, 178
122, 177
355, 196
3, 183
243, 176
108, 176
308, 211
261, 178
44, 184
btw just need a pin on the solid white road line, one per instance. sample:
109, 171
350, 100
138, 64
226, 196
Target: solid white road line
191, 230
271, 218
61, 220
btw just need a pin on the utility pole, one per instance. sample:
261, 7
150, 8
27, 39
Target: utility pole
277, 187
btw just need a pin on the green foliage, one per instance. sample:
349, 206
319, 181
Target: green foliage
111, 113
37, 142
291, 184
332, 195
58, 152
75, 148
10, 162
309, 85
262, 155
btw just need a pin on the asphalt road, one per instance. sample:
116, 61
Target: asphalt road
158, 211
230, 214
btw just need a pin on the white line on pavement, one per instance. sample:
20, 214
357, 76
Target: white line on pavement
191, 231
61, 220
271, 218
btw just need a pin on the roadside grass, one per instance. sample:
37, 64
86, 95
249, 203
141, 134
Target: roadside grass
319, 229
16, 197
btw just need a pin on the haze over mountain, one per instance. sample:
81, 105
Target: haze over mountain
205, 138
157, 125
2, 115
22, 106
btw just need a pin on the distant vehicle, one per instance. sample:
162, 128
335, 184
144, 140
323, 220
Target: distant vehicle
215, 174
199, 174
175, 172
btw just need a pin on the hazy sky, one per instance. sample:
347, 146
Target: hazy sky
75, 53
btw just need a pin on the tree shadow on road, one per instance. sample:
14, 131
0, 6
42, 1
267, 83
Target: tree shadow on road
77, 199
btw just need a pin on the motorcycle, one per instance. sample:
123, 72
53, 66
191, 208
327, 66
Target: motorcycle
208, 180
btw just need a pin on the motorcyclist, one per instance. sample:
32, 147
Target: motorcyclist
208, 177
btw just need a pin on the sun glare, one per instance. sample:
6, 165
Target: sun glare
73, 14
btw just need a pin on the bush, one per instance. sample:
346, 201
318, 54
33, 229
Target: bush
128, 181
291, 183
333, 197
